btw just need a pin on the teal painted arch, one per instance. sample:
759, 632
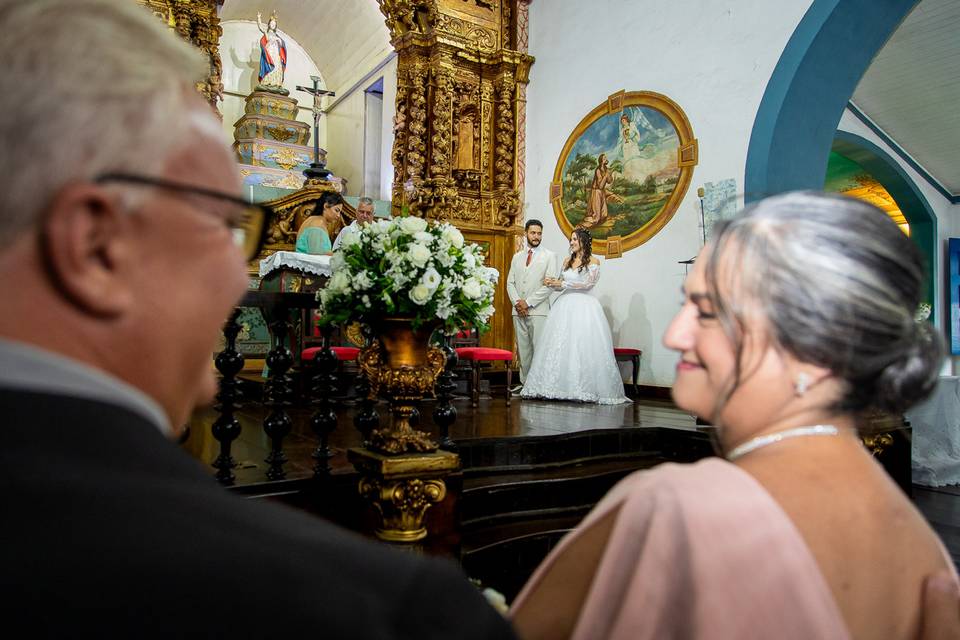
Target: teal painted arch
809, 88
914, 205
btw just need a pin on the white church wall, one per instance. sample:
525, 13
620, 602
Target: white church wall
345, 140
350, 126
386, 128
240, 54
948, 221
714, 62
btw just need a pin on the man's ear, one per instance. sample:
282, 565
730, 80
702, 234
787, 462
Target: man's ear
86, 242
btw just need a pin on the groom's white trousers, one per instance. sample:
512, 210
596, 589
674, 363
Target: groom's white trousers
527, 331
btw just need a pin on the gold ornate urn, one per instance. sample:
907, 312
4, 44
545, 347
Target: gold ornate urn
402, 367
402, 471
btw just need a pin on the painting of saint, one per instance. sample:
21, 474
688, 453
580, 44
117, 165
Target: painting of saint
621, 171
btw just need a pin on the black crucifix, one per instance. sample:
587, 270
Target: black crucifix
316, 169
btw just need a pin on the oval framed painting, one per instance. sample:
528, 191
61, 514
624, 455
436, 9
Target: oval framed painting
624, 170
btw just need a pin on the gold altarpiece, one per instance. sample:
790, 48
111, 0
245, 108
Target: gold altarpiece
197, 22
457, 149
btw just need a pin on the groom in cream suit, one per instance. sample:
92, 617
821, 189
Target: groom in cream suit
529, 296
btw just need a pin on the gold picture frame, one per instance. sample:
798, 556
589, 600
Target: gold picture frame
624, 170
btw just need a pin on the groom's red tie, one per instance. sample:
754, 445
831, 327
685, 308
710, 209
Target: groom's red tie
529, 256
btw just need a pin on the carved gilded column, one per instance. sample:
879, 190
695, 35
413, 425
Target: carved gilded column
197, 22
457, 136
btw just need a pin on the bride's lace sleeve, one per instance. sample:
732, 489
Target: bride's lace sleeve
593, 275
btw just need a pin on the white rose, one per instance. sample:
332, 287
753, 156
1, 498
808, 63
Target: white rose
418, 254
430, 279
420, 294
452, 235
470, 260
472, 289
423, 237
413, 224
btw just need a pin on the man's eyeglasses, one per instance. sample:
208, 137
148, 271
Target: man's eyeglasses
249, 224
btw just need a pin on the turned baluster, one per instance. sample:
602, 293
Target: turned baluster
226, 427
278, 391
366, 419
324, 420
444, 413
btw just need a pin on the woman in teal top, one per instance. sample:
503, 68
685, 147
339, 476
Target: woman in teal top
314, 234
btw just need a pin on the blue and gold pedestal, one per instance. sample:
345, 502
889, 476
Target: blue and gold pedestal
272, 146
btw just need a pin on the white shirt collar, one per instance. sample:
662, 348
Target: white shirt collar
31, 368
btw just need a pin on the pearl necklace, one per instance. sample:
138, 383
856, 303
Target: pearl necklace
771, 438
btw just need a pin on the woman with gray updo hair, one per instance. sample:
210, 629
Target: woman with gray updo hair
798, 315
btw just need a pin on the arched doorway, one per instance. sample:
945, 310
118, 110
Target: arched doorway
817, 73
795, 128
888, 172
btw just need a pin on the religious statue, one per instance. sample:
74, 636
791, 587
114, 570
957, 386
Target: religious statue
273, 57
464, 142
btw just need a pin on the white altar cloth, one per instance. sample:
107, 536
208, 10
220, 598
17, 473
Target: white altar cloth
308, 263
936, 435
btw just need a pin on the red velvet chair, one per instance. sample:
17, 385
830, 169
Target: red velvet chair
632, 355
344, 354
481, 357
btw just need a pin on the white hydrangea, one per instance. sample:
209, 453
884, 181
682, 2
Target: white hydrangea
470, 260
399, 275
336, 261
444, 257
349, 239
339, 282
419, 254
394, 258
362, 281
412, 224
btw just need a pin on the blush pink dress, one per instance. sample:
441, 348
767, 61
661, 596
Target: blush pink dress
700, 551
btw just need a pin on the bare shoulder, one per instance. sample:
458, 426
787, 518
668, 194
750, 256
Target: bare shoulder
594, 260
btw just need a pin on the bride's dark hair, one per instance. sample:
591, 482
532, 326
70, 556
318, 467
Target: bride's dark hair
586, 248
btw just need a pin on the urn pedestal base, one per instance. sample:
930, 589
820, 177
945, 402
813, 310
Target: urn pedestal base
402, 488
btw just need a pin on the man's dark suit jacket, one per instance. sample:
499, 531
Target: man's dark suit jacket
108, 527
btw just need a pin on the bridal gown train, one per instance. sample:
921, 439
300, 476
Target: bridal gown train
573, 358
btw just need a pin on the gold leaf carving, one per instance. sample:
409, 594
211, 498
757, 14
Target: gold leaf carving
279, 134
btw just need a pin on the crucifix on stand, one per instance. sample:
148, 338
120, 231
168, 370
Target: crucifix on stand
316, 169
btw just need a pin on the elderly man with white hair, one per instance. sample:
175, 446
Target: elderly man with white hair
364, 217
123, 247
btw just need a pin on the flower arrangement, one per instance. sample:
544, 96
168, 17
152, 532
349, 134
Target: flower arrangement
408, 267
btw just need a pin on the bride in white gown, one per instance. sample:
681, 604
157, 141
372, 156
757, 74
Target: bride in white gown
573, 358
